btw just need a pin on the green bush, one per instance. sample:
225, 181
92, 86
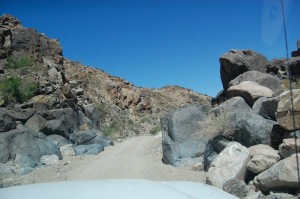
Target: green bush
18, 61
15, 90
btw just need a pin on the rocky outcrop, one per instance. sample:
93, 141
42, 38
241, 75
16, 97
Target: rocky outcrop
250, 91
284, 114
230, 164
236, 62
183, 136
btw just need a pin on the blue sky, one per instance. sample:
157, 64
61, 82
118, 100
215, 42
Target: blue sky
154, 43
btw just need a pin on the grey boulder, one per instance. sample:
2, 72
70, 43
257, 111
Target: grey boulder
251, 129
183, 136
266, 107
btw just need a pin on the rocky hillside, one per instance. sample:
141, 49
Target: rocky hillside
247, 143
123, 108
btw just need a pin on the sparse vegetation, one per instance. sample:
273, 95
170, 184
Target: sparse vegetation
18, 61
155, 130
295, 83
110, 129
220, 124
15, 90
102, 110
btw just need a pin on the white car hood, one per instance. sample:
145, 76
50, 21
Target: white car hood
131, 189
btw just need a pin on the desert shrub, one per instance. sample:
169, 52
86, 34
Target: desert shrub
18, 61
110, 129
295, 82
15, 90
155, 130
102, 110
220, 125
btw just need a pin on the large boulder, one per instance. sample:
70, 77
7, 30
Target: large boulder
281, 176
67, 117
266, 107
263, 157
36, 123
250, 91
57, 127
284, 114
230, 164
21, 114
262, 79
33, 144
6, 139
237, 104
183, 136
236, 62
24, 161
260, 163
252, 129
7, 122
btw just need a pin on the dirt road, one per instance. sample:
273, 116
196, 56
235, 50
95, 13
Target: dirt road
134, 158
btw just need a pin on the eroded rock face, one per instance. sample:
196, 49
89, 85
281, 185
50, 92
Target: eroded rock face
281, 176
250, 91
230, 164
182, 137
236, 62
284, 114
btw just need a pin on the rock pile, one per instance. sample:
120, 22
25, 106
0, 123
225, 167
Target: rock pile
246, 142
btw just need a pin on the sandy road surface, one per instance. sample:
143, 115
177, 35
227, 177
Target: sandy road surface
134, 158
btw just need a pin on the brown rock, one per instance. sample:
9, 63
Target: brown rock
250, 91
